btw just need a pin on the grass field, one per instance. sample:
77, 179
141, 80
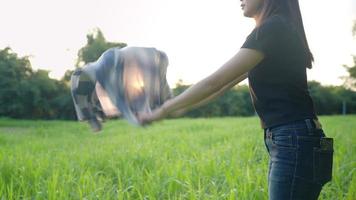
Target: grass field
221, 158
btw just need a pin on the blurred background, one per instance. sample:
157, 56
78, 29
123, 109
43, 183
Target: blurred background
42, 42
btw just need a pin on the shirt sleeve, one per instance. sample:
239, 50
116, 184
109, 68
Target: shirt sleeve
268, 37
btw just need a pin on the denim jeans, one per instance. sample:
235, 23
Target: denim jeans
300, 160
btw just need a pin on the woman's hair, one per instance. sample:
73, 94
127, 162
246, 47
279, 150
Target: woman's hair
289, 9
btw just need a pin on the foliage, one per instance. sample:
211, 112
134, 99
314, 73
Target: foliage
30, 94
25, 93
328, 100
15, 73
234, 102
96, 45
350, 81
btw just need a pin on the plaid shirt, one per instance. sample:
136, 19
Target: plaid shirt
122, 82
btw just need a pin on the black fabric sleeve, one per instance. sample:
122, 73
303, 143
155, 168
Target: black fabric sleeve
268, 37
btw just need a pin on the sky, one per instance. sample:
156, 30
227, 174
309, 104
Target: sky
198, 36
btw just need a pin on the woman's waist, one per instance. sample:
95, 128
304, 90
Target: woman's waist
304, 127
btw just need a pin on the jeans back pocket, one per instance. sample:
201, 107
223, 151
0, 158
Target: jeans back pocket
323, 161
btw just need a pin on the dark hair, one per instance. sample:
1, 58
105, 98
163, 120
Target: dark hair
289, 9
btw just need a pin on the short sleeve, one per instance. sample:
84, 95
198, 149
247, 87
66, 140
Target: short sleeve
268, 37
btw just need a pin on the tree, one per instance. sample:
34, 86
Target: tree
25, 93
329, 100
30, 94
15, 74
350, 82
96, 45
234, 102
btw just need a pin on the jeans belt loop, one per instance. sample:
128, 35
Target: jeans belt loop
310, 126
268, 133
317, 124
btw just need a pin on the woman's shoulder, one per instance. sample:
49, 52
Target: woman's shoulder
275, 21
276, 25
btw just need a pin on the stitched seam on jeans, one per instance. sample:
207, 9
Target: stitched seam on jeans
295, 169
281, 147
276, 140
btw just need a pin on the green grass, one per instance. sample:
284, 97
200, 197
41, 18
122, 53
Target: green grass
221, 158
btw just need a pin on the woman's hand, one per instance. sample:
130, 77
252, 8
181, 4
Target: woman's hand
155, 115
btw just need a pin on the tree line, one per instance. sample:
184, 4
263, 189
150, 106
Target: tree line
30, 94
328, 100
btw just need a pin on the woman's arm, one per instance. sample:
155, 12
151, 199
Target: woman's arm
210, 98
239, 64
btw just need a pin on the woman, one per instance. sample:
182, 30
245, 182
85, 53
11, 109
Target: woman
274, 57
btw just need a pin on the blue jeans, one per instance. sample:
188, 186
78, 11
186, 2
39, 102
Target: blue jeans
300, 160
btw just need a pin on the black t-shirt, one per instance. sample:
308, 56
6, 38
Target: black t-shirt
278, 84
